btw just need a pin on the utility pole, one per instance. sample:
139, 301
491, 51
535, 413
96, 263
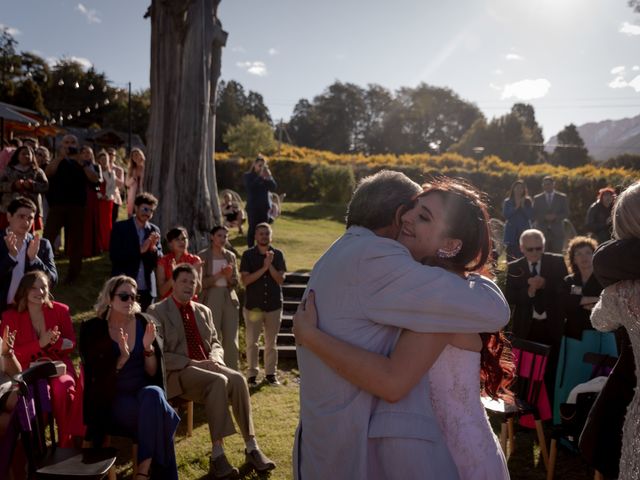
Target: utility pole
279, 136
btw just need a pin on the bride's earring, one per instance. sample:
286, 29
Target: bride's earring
442, 253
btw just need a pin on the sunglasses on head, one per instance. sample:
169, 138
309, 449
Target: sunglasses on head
125, 297
533, 249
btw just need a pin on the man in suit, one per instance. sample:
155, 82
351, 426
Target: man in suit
534, 289
550, 209
135, 248
368, 287
196, 371
21, 251
601, 439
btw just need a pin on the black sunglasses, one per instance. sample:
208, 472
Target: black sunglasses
533, 249
125, 297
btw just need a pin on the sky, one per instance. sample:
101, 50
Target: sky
575, 61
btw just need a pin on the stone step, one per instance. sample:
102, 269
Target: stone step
284, 351
296, 277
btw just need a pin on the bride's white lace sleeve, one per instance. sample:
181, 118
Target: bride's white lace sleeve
619, 304
606, 314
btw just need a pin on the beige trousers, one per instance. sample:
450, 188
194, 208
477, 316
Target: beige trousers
215, 391
226, 319
254, 321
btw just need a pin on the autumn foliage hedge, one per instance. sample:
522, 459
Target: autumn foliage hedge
296, 171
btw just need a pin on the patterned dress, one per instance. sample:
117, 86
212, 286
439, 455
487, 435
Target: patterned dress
619, 305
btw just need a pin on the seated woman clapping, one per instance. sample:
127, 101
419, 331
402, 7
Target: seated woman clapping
44, 331
124, 379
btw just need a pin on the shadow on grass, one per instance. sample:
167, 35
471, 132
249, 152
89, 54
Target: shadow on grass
315, 211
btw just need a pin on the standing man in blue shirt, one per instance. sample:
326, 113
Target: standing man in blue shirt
258, 182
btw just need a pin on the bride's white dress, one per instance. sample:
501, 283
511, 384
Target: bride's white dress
455, 394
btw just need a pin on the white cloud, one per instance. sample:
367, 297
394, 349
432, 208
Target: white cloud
635, 83
618, 70
238, 48
630, 29
495, 87
84, 62
254, 68
635, 68
513, 57
526, 89
273, 51
618, 82
497, 71
91, 15
10, 30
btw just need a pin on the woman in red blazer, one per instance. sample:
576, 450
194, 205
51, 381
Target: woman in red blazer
44, 331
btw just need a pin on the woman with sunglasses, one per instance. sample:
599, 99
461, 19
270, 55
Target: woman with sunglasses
44, 331
124, 379
23, 177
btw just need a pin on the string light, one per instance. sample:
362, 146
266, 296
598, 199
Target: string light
61, 82
91, 87
76, 85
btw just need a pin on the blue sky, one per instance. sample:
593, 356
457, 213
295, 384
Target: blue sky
574, 60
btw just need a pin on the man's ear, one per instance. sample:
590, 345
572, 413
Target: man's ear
397, 221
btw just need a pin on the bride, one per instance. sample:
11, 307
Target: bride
447, 227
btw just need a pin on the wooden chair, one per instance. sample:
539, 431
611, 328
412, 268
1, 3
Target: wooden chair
567, 435
530, 359
178, 403
47, 460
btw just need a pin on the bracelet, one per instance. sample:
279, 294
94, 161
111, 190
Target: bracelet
149, 353
9, 353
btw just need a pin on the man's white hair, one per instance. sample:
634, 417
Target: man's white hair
532, 233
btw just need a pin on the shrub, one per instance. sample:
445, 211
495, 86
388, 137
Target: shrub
334, 183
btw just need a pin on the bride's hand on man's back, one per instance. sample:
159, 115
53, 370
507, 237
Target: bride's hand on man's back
305, 321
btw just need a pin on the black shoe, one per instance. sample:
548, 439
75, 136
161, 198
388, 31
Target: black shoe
220, 467
272, 380
252, 381
259, 461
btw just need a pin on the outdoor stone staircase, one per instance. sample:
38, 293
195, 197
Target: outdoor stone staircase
292, 292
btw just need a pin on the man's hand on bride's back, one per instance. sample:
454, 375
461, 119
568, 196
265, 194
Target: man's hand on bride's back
305, 321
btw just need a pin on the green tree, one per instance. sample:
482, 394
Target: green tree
9, 64
626, 160
514, 137
232, 104
570, 151
117, 117
28, 95
250, 137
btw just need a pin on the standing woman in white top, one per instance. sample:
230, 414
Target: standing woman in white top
134, 177
219, 279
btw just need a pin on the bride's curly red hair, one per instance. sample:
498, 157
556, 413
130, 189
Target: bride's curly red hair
468, 220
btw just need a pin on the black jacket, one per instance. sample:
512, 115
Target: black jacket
99, 360
553, 270
124, 251
43, 261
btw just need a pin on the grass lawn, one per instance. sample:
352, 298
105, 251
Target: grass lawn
303, 232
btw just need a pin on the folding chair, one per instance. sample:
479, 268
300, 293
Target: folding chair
530, 359
568, 435
50, 461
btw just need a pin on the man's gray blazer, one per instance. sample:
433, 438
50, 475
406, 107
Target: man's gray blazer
367, 288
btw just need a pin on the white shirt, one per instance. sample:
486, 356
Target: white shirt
536, 315
216, 266
18, 271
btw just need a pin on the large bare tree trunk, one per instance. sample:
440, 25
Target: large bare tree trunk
186, 49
